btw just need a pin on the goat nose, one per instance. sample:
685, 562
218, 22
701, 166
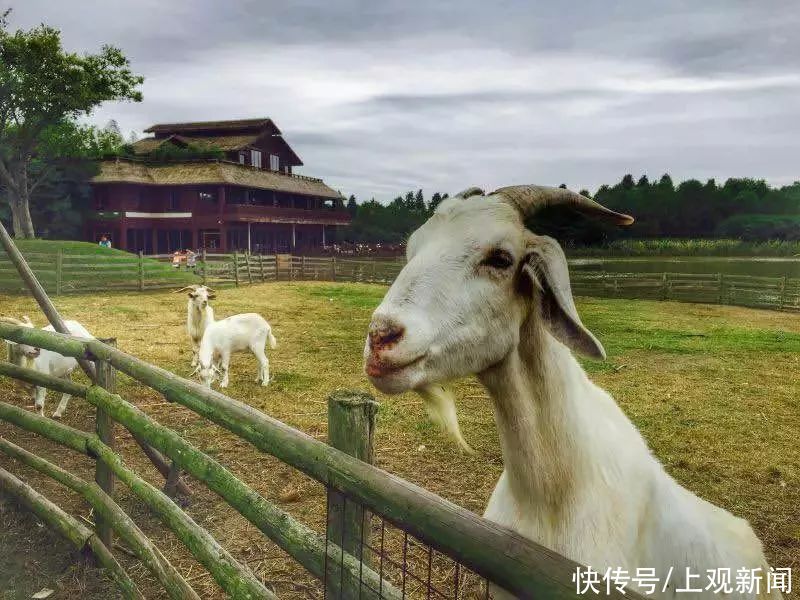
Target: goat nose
384, 333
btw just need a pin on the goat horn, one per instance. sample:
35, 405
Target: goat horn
529, 199
188, 287
470, 191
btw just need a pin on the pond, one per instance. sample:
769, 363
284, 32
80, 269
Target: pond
761, 266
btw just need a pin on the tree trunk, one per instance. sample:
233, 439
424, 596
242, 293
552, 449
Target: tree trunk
21, 216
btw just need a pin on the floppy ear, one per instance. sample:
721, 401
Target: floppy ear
212, 296
545, 269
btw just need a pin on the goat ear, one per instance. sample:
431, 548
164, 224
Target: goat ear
212, 296
192, 295
545, 269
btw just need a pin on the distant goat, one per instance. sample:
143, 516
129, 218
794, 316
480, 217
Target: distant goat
45, 361
238, 333
481, 294
198, 315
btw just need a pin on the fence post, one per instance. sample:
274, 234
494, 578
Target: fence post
333, 268
782, 299
104, 427
247, 264
141, 271
351, 428
664, 286
203, 258
236, 268
303, 268
261, 266
59, 270
722, 288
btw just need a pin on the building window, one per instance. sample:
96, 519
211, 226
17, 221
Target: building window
207, 197
274, 163
173, 200
255, 158
242, 158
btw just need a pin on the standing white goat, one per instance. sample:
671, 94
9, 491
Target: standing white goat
198, 315
238, 333
46, 361
481, 294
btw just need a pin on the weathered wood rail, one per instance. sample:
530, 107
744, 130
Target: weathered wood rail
64, 273
495, 553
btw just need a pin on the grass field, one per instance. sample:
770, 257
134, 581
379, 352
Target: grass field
87, 266
715, 391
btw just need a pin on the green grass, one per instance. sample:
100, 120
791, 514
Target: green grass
87, 265
713, 389
689, 247
70, 247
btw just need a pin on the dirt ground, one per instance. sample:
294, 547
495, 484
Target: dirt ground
713, 389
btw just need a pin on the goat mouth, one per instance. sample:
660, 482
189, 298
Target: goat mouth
378, 368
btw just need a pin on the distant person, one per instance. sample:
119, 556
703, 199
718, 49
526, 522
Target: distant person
191, 259
105, 242
177, 257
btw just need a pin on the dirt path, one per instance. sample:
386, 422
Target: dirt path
33, 558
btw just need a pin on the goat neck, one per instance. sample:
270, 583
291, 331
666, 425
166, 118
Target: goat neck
540, 394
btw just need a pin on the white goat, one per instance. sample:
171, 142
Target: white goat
46, 361
238, 333
198, 315
481, 294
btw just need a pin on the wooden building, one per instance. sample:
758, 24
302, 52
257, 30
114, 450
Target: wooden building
250, 199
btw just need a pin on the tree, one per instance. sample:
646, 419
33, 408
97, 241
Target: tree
643, 182
436, 200
419, 202
627, 181
352, 205
42, 87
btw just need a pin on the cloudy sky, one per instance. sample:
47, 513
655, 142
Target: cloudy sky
381, 97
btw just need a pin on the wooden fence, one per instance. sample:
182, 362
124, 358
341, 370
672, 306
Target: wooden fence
338, 557
65, 273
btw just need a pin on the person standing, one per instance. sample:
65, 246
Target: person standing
105, 242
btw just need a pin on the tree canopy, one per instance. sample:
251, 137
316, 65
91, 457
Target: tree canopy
43, 90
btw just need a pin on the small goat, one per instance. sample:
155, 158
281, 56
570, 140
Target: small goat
238, 333
45, 361
481, 294
198, 315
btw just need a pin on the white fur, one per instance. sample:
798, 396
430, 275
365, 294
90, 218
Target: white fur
198, 315
49, 363
579, 478
239, 333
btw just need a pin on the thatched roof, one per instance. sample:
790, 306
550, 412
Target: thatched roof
209, 172
250, 125
226, 143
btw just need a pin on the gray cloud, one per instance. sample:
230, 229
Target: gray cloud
381, 97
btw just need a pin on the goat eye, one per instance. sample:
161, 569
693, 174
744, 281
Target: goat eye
498, 259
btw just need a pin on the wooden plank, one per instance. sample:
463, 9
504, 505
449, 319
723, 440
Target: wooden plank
351, 429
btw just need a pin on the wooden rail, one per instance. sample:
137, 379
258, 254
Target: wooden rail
496, 553
65, 273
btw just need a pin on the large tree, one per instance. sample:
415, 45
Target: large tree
42, 87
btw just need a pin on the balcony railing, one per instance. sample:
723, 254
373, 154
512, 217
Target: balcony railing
250, 211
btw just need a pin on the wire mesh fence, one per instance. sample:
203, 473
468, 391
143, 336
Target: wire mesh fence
406, 567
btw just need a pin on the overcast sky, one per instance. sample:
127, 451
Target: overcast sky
380, 97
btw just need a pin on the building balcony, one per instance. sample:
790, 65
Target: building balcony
247, 213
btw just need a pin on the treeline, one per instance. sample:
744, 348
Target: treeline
740, 208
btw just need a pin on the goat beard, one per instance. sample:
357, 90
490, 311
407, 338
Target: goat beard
440, 403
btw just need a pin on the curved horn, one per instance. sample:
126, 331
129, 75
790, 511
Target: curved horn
470, 191
529, 199
192, 287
